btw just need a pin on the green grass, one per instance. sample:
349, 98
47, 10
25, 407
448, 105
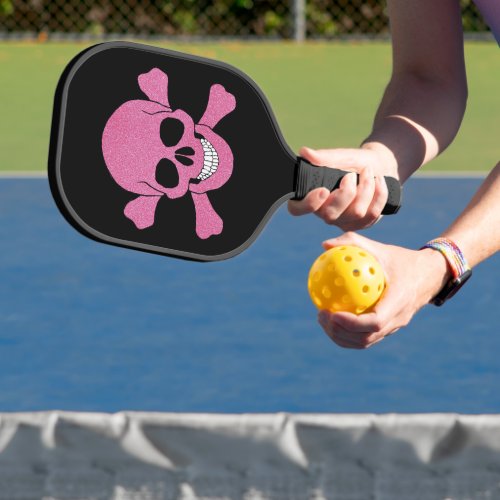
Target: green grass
323, 94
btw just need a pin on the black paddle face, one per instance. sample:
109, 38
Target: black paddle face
160, 151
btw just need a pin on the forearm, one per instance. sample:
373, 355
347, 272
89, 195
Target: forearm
424, 103
416, 120
477, 230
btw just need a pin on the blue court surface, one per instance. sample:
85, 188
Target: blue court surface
90, 327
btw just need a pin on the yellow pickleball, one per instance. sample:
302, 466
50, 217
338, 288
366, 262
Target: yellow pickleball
346, 278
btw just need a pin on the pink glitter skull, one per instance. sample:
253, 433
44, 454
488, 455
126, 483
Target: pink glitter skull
145, 142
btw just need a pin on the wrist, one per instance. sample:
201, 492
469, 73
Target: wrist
437, 272
386, 157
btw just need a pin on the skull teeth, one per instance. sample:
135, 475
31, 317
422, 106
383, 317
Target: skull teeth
210, 160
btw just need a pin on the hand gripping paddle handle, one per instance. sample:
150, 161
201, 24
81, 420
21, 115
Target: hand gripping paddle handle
309, 177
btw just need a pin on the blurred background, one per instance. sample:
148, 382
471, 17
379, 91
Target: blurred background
283, 19
338, 69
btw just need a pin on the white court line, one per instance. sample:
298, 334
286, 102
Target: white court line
453, 174
24, 174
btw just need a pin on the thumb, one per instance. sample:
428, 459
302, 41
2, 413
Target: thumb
349, 238
338, 158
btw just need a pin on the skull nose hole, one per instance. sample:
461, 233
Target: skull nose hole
171, 131
187, 162
185, 151
166, 174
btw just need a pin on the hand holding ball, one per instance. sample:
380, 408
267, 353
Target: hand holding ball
346, 278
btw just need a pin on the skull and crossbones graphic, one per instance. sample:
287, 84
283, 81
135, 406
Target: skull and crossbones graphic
137, 146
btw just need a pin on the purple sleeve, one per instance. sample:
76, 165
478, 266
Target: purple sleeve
490, 9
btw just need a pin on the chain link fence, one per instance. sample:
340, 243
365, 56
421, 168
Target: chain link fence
284, 19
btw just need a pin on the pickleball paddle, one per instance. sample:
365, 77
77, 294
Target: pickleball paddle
172, 153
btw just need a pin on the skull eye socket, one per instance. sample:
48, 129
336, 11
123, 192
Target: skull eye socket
166, 174
171, 131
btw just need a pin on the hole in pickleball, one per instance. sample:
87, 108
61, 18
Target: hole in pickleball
339, 281
363, 254
356, 273
327, 293
346, 299
317, 276
372, 270
348, 258
317, 300
366, 289
379, 288
360, 309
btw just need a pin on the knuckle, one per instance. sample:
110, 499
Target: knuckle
373, 213
366, 177
377, 325
349, 190
330, 220
329, 215
358, 211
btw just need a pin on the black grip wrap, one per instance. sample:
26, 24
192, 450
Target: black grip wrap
309, 177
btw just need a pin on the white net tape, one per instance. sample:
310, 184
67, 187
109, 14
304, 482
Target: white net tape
163, 456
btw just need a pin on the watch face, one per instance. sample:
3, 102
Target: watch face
451, 288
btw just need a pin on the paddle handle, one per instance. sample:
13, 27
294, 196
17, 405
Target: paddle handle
309, 177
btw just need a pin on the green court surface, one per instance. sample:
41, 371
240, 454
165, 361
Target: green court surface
323, 94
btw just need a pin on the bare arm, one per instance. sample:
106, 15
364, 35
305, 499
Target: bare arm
418, 117
477, 230
424, 102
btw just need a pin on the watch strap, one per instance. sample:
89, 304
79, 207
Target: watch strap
457, 263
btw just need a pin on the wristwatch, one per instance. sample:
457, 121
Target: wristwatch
460, 270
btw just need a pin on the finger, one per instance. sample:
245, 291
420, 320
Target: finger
348, 238
311, 203
338, 334
385, 318
341, 340
338, 201
345, 344
380, 196
365, 191
362, 324
362, 340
